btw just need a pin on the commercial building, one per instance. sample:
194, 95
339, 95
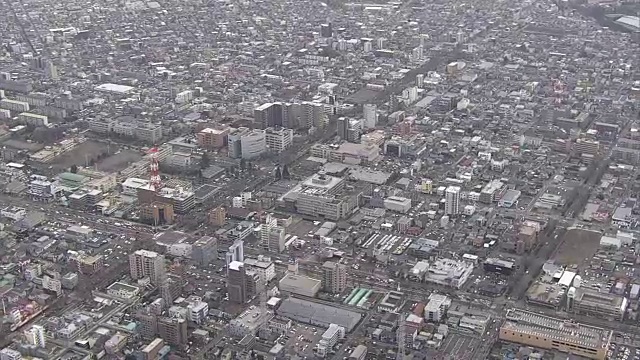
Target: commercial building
335, 277
123, 291
498, 266
212, 138
204, 250
449, 272
545, 332
278, 139
88, 264
452, 200
263, 266
300, 285
144, 263
397, 204
217, 216
246, 143
236, 252
370, 115
598, 304
347, 153
318, 314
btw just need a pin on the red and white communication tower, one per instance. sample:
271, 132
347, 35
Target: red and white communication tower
155, 181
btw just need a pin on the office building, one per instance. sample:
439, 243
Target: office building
278, 139
599, 304
173, 330
157, 213
35, 336
448, 272
242, 284
349, 129
144, 263
272, 236
452, 201
263, 266
540, 331
218, 216
370, 116
236, 252
204, 250
335, 277
212, 138
272, 115
329, 339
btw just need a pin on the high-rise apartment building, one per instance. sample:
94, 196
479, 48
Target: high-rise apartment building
370, 115
452, 200
144, 263
173, 330
35, 336
335, 277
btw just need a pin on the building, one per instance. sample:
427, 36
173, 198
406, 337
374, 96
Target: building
204, 250
115, 343
33, 119
14, 105
242, 284
449, 272
499, 266
335, 277
152, 350
148, 132
492, 192
540, 331
452, 200
197, 311
14, 213
131, 186
157, 213
236, 252
300, 285
145, 263
123, 291
171, 289
359, 353
212, 138
330, 338
397, 204
173, 330
10, 354
599, 304
370, 116
436, 308
272, 115
88, 265
217, 216
35, 336
278, 139
263, 266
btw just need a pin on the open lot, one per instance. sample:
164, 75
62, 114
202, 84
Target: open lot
576, 246
81, 155
119, 161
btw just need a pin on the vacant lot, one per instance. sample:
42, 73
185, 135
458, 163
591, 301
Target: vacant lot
120, 161
81, 155
577, 246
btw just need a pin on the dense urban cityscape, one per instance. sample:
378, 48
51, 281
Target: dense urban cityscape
342, 180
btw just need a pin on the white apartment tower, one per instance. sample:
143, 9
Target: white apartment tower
452, 200
35, 336
370, 115
144, 263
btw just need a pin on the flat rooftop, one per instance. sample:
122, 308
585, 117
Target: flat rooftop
548, 327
